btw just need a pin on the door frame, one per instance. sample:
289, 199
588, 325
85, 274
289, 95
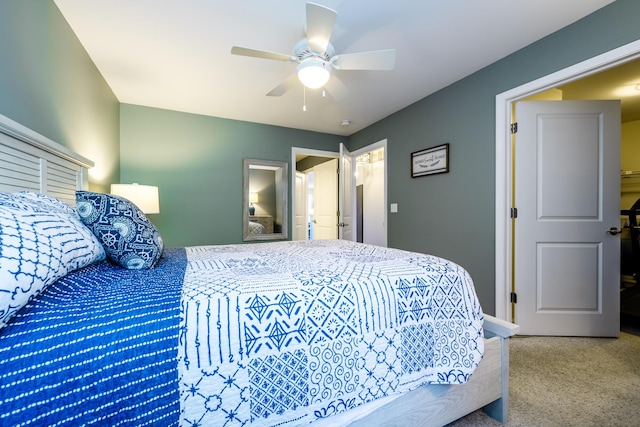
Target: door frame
504, 167
347, 195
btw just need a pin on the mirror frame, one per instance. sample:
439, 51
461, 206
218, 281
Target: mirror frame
282, 191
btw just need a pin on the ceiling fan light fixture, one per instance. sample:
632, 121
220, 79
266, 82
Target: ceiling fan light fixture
314, 73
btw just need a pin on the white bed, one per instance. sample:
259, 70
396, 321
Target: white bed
29, 161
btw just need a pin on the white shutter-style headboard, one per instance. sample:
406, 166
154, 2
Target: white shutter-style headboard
32, 162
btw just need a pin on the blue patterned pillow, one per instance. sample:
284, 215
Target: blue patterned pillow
128, 237
41, 240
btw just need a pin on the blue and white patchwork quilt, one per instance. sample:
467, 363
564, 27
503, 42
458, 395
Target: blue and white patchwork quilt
269, 334
281, 334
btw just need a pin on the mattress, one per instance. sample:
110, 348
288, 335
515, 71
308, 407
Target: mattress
280, 333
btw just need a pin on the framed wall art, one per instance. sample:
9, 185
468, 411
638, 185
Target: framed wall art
430, 161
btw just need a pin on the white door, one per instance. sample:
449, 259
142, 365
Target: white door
300, 226
325, 200
567, 195
346, 230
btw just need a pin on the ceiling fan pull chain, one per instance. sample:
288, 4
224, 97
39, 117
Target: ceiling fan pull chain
304, 98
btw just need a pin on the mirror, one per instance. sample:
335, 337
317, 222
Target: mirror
264, 200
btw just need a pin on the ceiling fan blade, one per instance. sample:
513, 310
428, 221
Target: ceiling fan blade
320, 22
373, 60
255, 53
283, 87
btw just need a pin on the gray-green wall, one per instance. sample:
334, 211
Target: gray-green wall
49, 84
453, 215
196, 162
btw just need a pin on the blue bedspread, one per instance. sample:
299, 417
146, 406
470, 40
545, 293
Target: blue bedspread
96, 352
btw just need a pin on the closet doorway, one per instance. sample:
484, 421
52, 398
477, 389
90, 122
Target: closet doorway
568, 82
370, 180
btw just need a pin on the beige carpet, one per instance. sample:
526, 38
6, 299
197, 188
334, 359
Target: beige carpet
558, 381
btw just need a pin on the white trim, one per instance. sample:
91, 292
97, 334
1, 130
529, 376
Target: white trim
504, 102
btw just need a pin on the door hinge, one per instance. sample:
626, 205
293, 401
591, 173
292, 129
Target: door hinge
514, 212
514, 128
514, 298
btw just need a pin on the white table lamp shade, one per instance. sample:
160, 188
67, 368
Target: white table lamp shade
144, 197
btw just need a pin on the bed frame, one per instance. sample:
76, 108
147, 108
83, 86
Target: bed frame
437, 405
30, 161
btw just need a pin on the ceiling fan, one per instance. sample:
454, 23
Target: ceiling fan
316, 56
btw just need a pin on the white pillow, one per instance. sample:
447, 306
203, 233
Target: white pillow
41, 240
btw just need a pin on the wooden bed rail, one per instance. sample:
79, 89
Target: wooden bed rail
494, 327
497, 327
435, 405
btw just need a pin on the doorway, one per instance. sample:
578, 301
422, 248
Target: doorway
370, 180
312, 180
504, 166
370, 172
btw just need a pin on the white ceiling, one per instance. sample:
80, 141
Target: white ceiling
175, 54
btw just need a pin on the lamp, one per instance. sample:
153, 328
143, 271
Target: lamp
144, 197
253, 198
314, 72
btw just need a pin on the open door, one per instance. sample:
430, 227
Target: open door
325, 200
567, 195
300, 226
346, 192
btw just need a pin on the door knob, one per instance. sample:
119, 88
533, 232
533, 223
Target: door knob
614, 230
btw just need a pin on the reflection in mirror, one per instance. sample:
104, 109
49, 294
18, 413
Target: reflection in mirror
264, 200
